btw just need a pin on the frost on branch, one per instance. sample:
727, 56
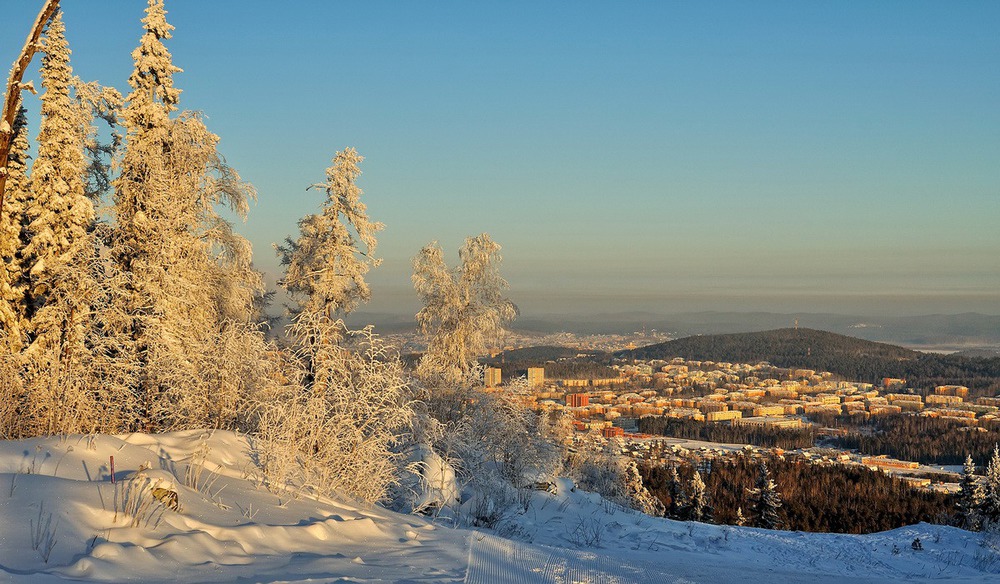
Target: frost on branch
326, 265
464, 309
333, 427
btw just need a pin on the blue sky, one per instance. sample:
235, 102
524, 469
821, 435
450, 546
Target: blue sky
667, 156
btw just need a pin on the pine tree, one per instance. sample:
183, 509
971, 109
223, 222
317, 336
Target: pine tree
636, 495
60, 257
970, 497
765, 501
740, 520
326, 268
463, 309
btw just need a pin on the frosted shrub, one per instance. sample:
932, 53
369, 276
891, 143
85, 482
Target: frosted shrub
234, 367
11, 396
334, 428
495, 444
615, 478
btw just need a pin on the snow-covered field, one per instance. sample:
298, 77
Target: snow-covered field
63, 519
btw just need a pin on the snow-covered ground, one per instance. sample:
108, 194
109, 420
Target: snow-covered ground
63, 519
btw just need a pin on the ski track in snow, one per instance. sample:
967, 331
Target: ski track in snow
494, 560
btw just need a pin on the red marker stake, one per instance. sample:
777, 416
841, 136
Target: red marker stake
112, 470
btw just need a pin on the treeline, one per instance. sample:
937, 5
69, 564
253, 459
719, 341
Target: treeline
815, 498
787, 439
848, 357
921, 439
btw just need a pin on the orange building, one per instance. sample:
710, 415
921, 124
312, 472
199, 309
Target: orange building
613, 432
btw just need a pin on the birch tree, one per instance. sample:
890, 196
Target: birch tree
463, 308
334, 427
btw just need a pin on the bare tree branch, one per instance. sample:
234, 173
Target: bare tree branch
13, 96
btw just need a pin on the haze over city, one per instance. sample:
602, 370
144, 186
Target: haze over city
658, 156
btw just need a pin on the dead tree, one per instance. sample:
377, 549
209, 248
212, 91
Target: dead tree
12, 99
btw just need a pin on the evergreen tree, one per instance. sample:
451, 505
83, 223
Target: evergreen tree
59, 216
991, 495
326, 268
13, 237
970, 498
61, 260
679, 502
463, 309
636, 495
188, 277
699, 508
765, 501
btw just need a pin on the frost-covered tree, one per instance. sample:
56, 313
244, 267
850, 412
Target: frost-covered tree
614, 477
765, 501
105, 103
636, 495
12, 96
740, 520
13, 237
59, 258
188, 278
334, 428
58, 216
970, 497
495, 433
698, 506
991, 490
679, 501
493, 444
326, 265
463, 309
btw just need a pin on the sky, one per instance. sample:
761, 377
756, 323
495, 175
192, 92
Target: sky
656, 156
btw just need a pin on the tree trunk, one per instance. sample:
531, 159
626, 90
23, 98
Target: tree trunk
13, 96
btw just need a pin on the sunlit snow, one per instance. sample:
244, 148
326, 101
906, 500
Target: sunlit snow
63, 518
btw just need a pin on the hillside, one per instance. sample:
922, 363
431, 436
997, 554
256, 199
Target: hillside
849, 357
559, 362
782, 347
65, 517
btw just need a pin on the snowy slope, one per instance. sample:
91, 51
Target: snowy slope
58, 503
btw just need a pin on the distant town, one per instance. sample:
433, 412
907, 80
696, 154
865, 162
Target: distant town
756, 395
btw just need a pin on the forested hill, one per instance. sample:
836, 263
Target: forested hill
848, 357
